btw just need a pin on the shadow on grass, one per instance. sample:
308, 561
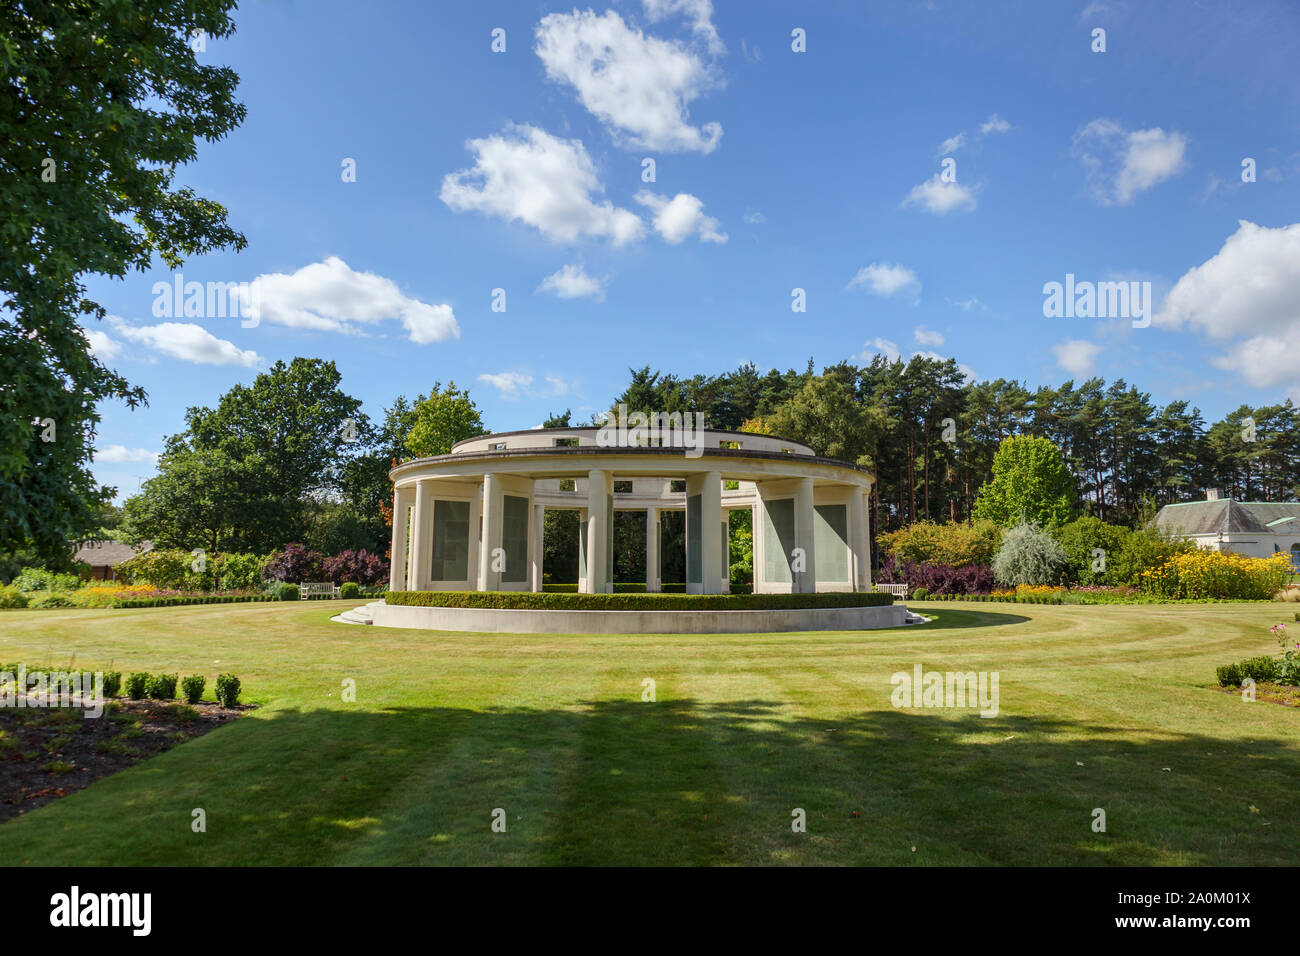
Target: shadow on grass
621, 782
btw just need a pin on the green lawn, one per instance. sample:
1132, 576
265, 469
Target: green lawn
1096, 703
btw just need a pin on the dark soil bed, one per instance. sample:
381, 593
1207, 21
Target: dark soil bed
46, 754
1284, 694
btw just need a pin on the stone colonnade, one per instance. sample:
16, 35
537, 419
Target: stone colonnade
485, 533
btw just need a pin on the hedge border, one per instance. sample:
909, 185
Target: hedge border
194, 599
620, 587
1082, 602
558, 601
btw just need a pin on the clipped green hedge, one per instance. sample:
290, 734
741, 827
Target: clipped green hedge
553, 601
196, 599
620, 587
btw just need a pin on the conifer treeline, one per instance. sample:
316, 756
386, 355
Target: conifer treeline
930, 435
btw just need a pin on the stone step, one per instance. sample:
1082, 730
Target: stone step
358, 615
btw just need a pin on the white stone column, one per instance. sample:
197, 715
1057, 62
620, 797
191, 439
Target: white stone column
757, 542
490, 579
535, 547
709, 487
804, 582
652, 570
858, 552
403, 498
582, 551
421, 537
599, 488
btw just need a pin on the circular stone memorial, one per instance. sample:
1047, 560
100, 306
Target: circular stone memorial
473, 520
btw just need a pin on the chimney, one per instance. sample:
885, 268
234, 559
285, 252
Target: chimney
1212, 494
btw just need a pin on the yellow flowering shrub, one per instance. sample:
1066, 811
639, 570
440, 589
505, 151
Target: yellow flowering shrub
1038, 590
956, 545
103, 595
1217, 574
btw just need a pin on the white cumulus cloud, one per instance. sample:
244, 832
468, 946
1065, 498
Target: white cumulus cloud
698, 12
1077, 356
527, 175
508, 384
682, 216
952, 144
331, 296
571, 282
884, 278
939, 197
120, 453
639, 86
876, 347
559, 386
994, 124
186, 341
102, 345
512, 386
1121, 163
926, 336
1248, 296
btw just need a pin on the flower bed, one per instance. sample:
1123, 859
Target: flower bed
1091, 594
1206, 573
936, 579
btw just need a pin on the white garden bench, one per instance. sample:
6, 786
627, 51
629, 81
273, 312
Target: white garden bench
897, 590
311, 589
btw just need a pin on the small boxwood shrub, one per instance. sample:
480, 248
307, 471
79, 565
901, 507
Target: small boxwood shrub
1229, 675
137, 685
192, 688
920, 594
228, 689
350, 590
549, 600
163, 687
288, 592
12, 597
112, 683
1259, 668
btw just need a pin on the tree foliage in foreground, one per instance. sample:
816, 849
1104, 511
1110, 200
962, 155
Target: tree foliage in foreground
101, 101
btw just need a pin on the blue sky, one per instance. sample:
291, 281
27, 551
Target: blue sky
775, 170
